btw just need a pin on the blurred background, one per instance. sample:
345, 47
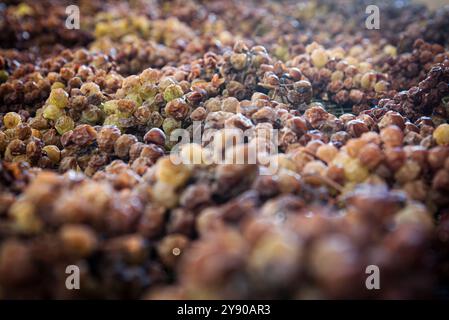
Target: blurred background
433, 4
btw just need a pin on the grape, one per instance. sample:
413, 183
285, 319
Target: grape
11, 120
64, 124
58, 97
52, 112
